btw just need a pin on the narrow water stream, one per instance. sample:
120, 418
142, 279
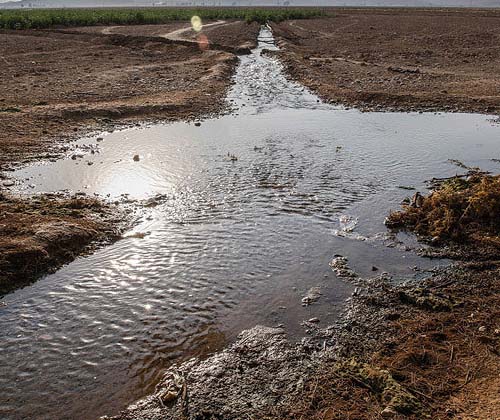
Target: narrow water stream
255, 205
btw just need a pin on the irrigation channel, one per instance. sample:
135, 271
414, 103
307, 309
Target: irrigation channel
252, 207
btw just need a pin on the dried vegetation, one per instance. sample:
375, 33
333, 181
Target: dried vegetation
460, 209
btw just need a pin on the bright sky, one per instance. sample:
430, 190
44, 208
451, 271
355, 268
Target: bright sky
409, 2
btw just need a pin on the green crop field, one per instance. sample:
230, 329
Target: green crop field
48, 18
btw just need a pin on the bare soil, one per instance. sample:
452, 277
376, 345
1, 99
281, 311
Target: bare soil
58, 84
397, 59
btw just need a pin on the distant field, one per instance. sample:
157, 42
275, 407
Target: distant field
39, 19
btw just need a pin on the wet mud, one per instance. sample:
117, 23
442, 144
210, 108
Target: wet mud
404, 351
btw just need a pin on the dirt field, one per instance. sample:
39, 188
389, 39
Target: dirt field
398, 59
58, 84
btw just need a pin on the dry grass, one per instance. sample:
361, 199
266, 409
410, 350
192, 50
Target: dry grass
465, 210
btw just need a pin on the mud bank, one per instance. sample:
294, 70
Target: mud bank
40, 234
399, 351
397, 59
407, 351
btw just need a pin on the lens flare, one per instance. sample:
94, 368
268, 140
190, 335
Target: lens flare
196, 23
203, 42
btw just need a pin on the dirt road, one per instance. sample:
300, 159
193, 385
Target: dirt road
399, 59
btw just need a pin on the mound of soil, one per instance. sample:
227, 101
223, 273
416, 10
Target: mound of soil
41, 234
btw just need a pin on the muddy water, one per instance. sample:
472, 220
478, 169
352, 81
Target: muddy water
232, 241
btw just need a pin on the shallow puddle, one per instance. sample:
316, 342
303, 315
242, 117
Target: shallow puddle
254, 206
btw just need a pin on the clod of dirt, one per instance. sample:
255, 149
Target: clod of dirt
341, 268
136, 235
231, 157
313, 294
171, 387
136, 158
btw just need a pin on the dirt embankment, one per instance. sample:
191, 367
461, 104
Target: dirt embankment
41, 234
57, 84
401, 351
399, 59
